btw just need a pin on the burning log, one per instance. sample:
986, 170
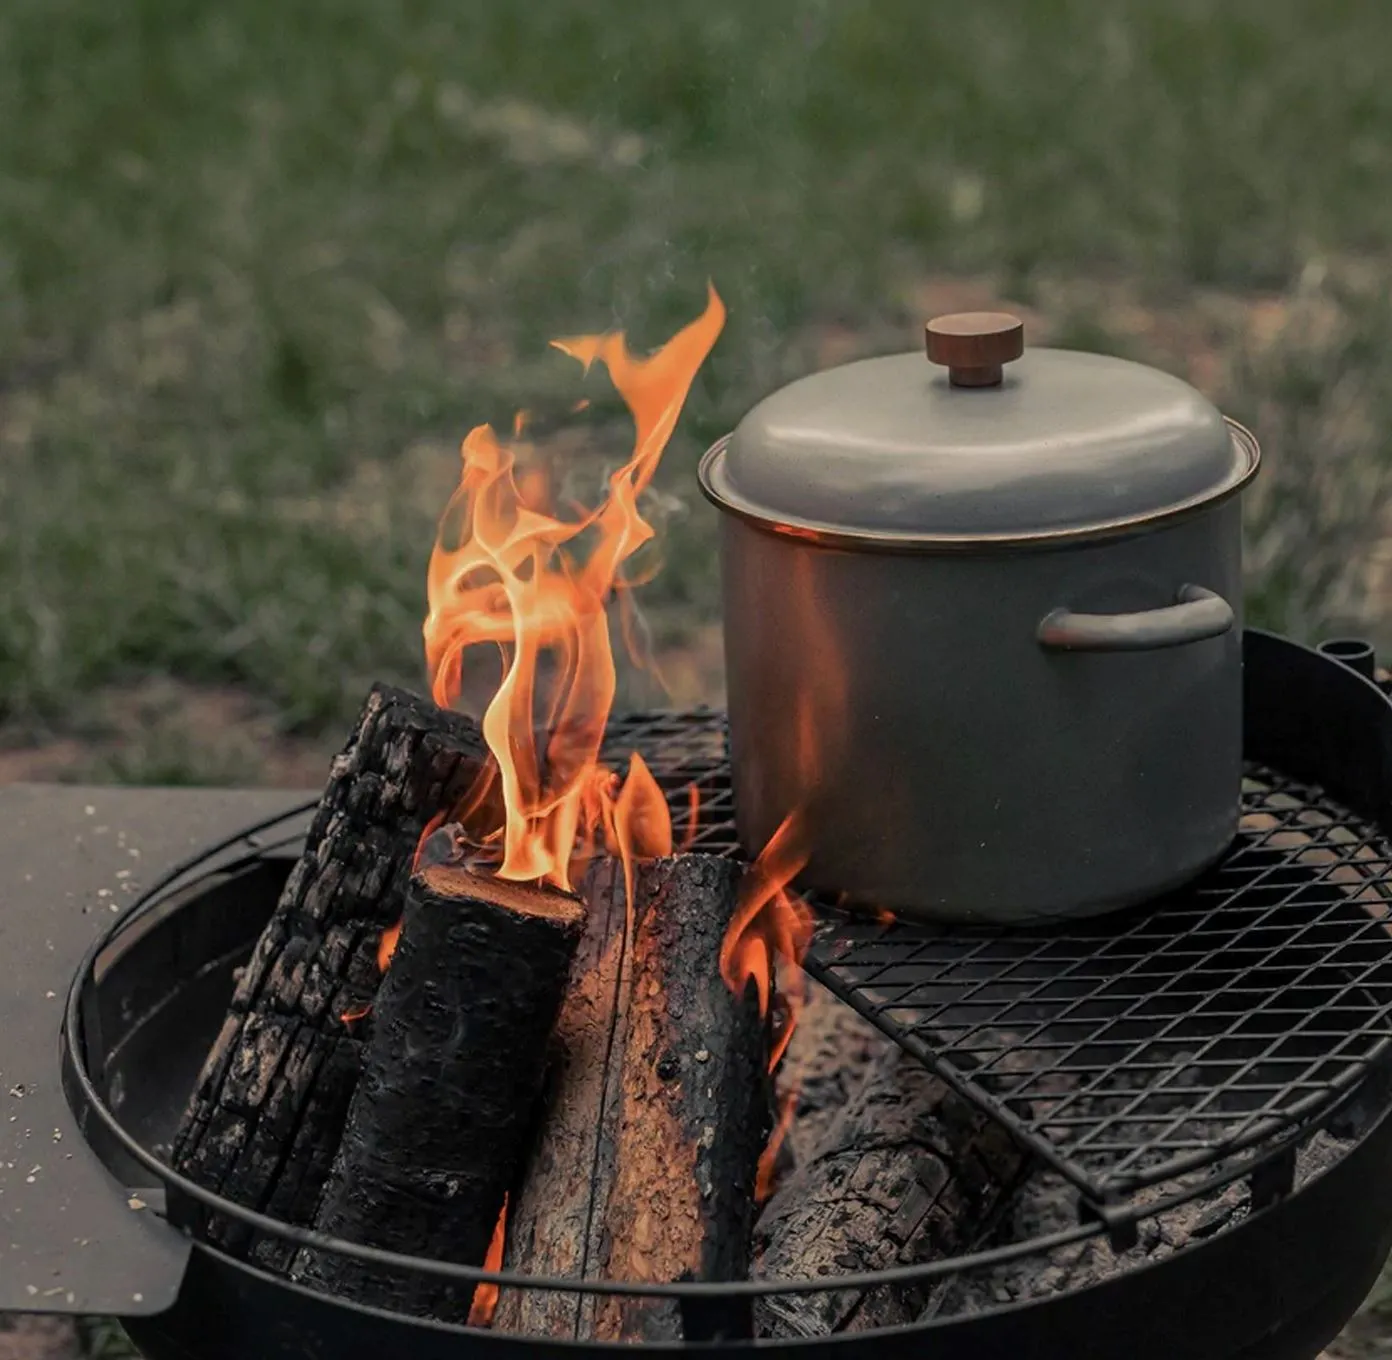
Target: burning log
265, 1117
908, 1173
556, 1215
646, 1162
451, 1077
827, 1057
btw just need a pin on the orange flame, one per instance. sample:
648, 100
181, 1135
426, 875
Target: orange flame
507, 570
642, 819
770, 926
386, 946
486, 1295
764, 1179
771, 930
693, 816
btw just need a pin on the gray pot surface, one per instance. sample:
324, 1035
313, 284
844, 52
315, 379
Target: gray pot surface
997, 677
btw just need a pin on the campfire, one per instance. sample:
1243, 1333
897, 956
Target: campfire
531, 1004
545, 1035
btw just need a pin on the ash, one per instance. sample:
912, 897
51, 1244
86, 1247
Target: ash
1046, 1204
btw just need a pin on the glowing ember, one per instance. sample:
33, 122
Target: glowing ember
507, 570
386, 946
486, 1295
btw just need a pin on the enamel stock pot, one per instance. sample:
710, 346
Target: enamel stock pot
982, 626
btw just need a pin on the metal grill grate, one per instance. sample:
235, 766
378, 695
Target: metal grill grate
1130, 1049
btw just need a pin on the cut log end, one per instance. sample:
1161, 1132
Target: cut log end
451, 1080
451, 883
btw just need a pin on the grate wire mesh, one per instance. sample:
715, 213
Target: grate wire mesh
1134, 1048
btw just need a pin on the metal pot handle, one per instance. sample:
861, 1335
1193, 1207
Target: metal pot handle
1198, 614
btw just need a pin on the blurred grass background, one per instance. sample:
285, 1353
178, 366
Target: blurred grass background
263, 264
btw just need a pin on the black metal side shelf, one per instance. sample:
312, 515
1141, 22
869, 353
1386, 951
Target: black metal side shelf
1130, 1050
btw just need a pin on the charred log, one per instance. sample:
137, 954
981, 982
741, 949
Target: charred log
265, 1117
694, 1109
451, 1077
647, 1159
555, 1217
827, 1057
908, 1173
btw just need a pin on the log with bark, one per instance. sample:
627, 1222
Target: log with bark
907, 1173
831, 1049
645, 1165
554, 1218
267, 1113
450, 1082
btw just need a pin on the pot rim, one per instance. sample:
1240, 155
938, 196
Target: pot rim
709, 475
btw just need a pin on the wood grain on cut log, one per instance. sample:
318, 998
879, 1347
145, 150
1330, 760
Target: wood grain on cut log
908, 1173
265, 1117
451, 1077
645, 1161
554, 1216
694, 1103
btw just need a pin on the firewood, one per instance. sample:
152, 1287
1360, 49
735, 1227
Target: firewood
266, 1115
826, 1060
450, 1081
908, 1173
646, 1165
555, 1217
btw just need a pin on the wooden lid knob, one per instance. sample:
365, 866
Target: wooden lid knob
975, 346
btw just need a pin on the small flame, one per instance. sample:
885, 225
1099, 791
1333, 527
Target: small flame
351, 1017
770, 926
642, 820
765, 943
693, 816
765, 1177
431, 827
386, 946
486, 1295
507, 570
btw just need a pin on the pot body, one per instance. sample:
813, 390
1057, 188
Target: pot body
949, 764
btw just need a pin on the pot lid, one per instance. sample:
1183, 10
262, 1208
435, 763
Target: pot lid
1006, 445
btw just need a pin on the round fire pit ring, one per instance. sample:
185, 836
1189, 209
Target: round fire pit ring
147, 1002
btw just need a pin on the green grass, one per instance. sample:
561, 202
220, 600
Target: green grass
253, 255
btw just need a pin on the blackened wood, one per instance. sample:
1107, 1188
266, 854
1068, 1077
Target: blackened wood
451, 1075
266, 1114
645, 1162
694, 1103
554, 1218
831, 1049
908, 1173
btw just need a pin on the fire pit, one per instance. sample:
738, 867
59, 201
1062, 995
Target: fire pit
506, 1041
1171, 1128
